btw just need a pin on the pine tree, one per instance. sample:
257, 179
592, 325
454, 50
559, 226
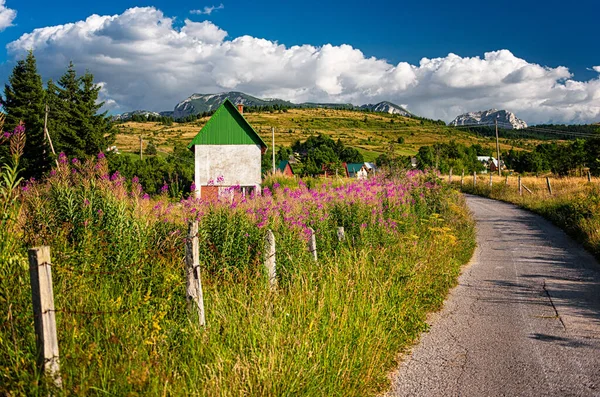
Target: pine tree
24, 101
98, 131
57, 116
69, 118
80, 130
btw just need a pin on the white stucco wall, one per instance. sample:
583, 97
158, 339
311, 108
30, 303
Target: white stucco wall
237, 164
362, 173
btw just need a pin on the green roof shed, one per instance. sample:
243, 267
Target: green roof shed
227, 126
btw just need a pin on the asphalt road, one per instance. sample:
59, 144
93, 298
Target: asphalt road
523, 321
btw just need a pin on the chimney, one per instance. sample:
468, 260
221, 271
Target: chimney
240, 108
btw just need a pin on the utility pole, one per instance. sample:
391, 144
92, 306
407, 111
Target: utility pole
47, 135
273, 134
141, 149
498, 149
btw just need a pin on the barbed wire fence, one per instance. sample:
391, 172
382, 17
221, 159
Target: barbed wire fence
44, 307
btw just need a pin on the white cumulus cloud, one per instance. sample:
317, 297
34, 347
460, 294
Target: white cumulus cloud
145, 62
207, 10
7, 16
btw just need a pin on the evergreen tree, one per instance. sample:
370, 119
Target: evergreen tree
79, 129
70, 119
24, 101
97, 127
57, 115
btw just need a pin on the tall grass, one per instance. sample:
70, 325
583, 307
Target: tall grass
573, 206
333, 327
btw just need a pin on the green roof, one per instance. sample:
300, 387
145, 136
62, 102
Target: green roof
282, 165
354, 167
227, 127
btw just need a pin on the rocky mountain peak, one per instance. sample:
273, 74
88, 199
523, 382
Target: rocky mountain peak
506, 119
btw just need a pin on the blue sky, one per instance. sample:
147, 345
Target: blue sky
545, 36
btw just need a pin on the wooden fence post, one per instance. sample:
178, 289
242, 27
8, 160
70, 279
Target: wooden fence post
450, 176
474, 179
491, 180
549, 186
520, 187
270, 258
589, 176
194, 283
462, 178
312, 243
341, 234
40, 273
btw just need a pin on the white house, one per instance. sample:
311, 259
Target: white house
227, 153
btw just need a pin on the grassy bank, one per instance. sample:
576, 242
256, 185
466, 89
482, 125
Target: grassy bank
574, 204
334, 327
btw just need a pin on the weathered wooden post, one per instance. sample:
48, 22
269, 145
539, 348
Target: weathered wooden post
194, 283
520, 187
506, 180
341, 234
462, 178
491, 180
40, 274
270, 259
450, 176
474, 179
312, 243
589, 176
549, 186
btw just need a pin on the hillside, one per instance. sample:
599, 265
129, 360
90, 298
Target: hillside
371, 133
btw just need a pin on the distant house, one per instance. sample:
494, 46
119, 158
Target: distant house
361, 170
490, 163
285, 168
227, 154
330, 170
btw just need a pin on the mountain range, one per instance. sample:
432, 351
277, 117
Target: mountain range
201, 103
506, 120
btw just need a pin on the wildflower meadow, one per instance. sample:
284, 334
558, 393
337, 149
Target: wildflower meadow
334, 326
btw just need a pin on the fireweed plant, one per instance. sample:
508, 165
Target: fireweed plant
332, 327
